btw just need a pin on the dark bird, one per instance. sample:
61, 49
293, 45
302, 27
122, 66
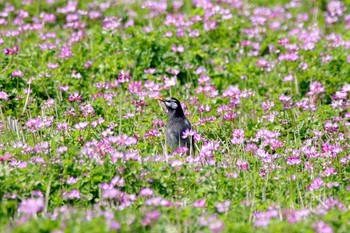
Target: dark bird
177, 124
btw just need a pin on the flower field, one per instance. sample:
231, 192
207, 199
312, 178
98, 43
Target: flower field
265, 85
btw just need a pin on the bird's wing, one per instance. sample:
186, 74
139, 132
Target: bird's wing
187, 124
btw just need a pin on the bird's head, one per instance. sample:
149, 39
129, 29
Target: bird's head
173, 105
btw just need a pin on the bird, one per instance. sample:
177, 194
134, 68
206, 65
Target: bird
177, 124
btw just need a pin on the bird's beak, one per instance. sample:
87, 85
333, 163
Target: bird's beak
160, 98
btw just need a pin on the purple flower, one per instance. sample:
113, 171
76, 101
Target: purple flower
74, 194
294, 216
52, 65
322, 227
203, 108
87, 110
17, 73
267, 105
293, 160
158, 123
188, 133
64, 88
223, 207
114, 225
229, 116
5, 157
216, 226
150, 217
179, 49
94, 15
122, 140
201, 203
335, 8
3, 96
157, 201
35, 124
316, 88
288, 78
13, 51
331, 127
72, 180
48, 18
146, 192
200, 70
31, 206
112, 193
124, 76
263, 64
237, 136
111, 23
75, 97
66, 52
81, 125
62, 127
242, 165
286, 101
289, 56
316, 184
262, 218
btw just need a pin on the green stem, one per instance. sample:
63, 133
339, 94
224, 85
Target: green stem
7, 66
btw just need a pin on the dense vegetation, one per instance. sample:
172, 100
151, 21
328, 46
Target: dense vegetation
266, 87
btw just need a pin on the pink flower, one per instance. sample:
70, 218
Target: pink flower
52, 65
289, 56
17, 73
316, 184
150, 217
322, 227
74, 194
292, 160
31, 206
81, 125
157, 201
88, 64
201, 203
286, 101
263, 64
75, 97
153, 133
72, 180
66, 52
179, 49
294, 216
48, 18
242, 165
5, 157
124, 76
237, 136
222, 207
87, 110
146, 192
316, 88
3, 96
111, 23
216, 226
288, 78
188, 133
13, 51
267, 105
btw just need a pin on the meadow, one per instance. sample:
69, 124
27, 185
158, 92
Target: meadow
265, 84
